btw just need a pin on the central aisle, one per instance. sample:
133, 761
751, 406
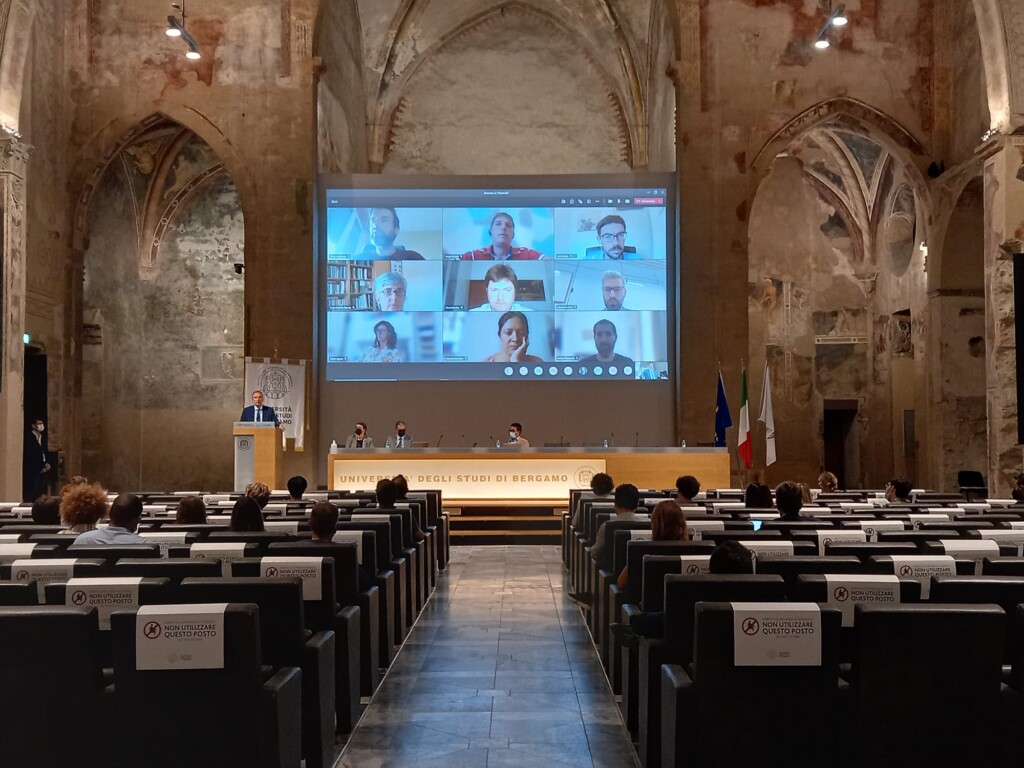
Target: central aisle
498, 671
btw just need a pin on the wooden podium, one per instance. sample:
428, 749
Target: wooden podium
257, 454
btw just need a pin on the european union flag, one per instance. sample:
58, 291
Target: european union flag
723, 419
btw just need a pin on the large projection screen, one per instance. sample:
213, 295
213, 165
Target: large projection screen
458, 304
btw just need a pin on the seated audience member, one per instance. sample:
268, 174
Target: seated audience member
75, 480
731, 557
125, 514
360, 437
81, 507
727, 557
805, 493
46, 510
898, 490
687, 488
191, 511
601, 487
296, 487
828, 483
1017, 493
668, 523
790, 500
627, 499
387, 495
259, 493
323, 522
247, 515
757, 496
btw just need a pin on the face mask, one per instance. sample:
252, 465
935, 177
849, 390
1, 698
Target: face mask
511, 435
401, 433
359, 430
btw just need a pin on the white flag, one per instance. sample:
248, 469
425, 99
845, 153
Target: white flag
768, 418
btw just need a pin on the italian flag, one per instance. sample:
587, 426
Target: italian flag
745, 447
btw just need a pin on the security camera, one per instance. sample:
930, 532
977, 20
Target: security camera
239, 267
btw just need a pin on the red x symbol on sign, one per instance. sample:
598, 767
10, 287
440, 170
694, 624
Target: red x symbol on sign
842, 594
906, 570
271, 572
78, 597
152, 630
692, 569
750, 626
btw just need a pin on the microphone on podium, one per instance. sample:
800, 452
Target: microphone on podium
560, 441
439, 440
613, 439
462, 440
636, 440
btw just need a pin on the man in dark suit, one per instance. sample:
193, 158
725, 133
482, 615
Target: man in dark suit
258, 412
36, 465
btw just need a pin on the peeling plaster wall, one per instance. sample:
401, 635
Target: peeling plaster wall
510, 96
168, 365
44, 126
341, 98
969, 115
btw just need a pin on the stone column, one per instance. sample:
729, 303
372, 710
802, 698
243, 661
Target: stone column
13, 161
1004, 236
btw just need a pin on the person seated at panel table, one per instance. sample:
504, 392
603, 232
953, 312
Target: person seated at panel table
668, 523
514, 335
191, 511
503, 232
247, 516
360, 437
384, 228
605, 336
296, 487
258, 412
389, 291
687, 488
601, 487
502, 285
387, 497
385, 345
897, 491
125, 516
611, 238
81, 507
515, 436
401, 438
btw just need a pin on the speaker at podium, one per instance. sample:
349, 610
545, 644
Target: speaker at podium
257, 454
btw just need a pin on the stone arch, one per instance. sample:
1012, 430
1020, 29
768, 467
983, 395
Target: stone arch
398, 72
121, 133
16, 18
998, 57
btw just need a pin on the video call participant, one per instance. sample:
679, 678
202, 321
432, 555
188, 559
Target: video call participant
514, 333
385, 343
503, 232
389, 292
401, 438
258, 412
613, 290
515, 435
605, 336
502, 285
611, 234
384, 227
360, 437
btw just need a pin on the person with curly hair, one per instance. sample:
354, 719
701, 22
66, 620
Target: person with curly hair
259, 492
81, 507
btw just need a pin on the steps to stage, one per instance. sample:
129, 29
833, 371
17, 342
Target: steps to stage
505, 525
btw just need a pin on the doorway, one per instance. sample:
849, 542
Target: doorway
840, 441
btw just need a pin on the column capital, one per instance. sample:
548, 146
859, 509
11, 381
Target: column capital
13, 155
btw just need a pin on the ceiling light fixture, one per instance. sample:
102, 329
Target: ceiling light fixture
176, 28
836, 18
